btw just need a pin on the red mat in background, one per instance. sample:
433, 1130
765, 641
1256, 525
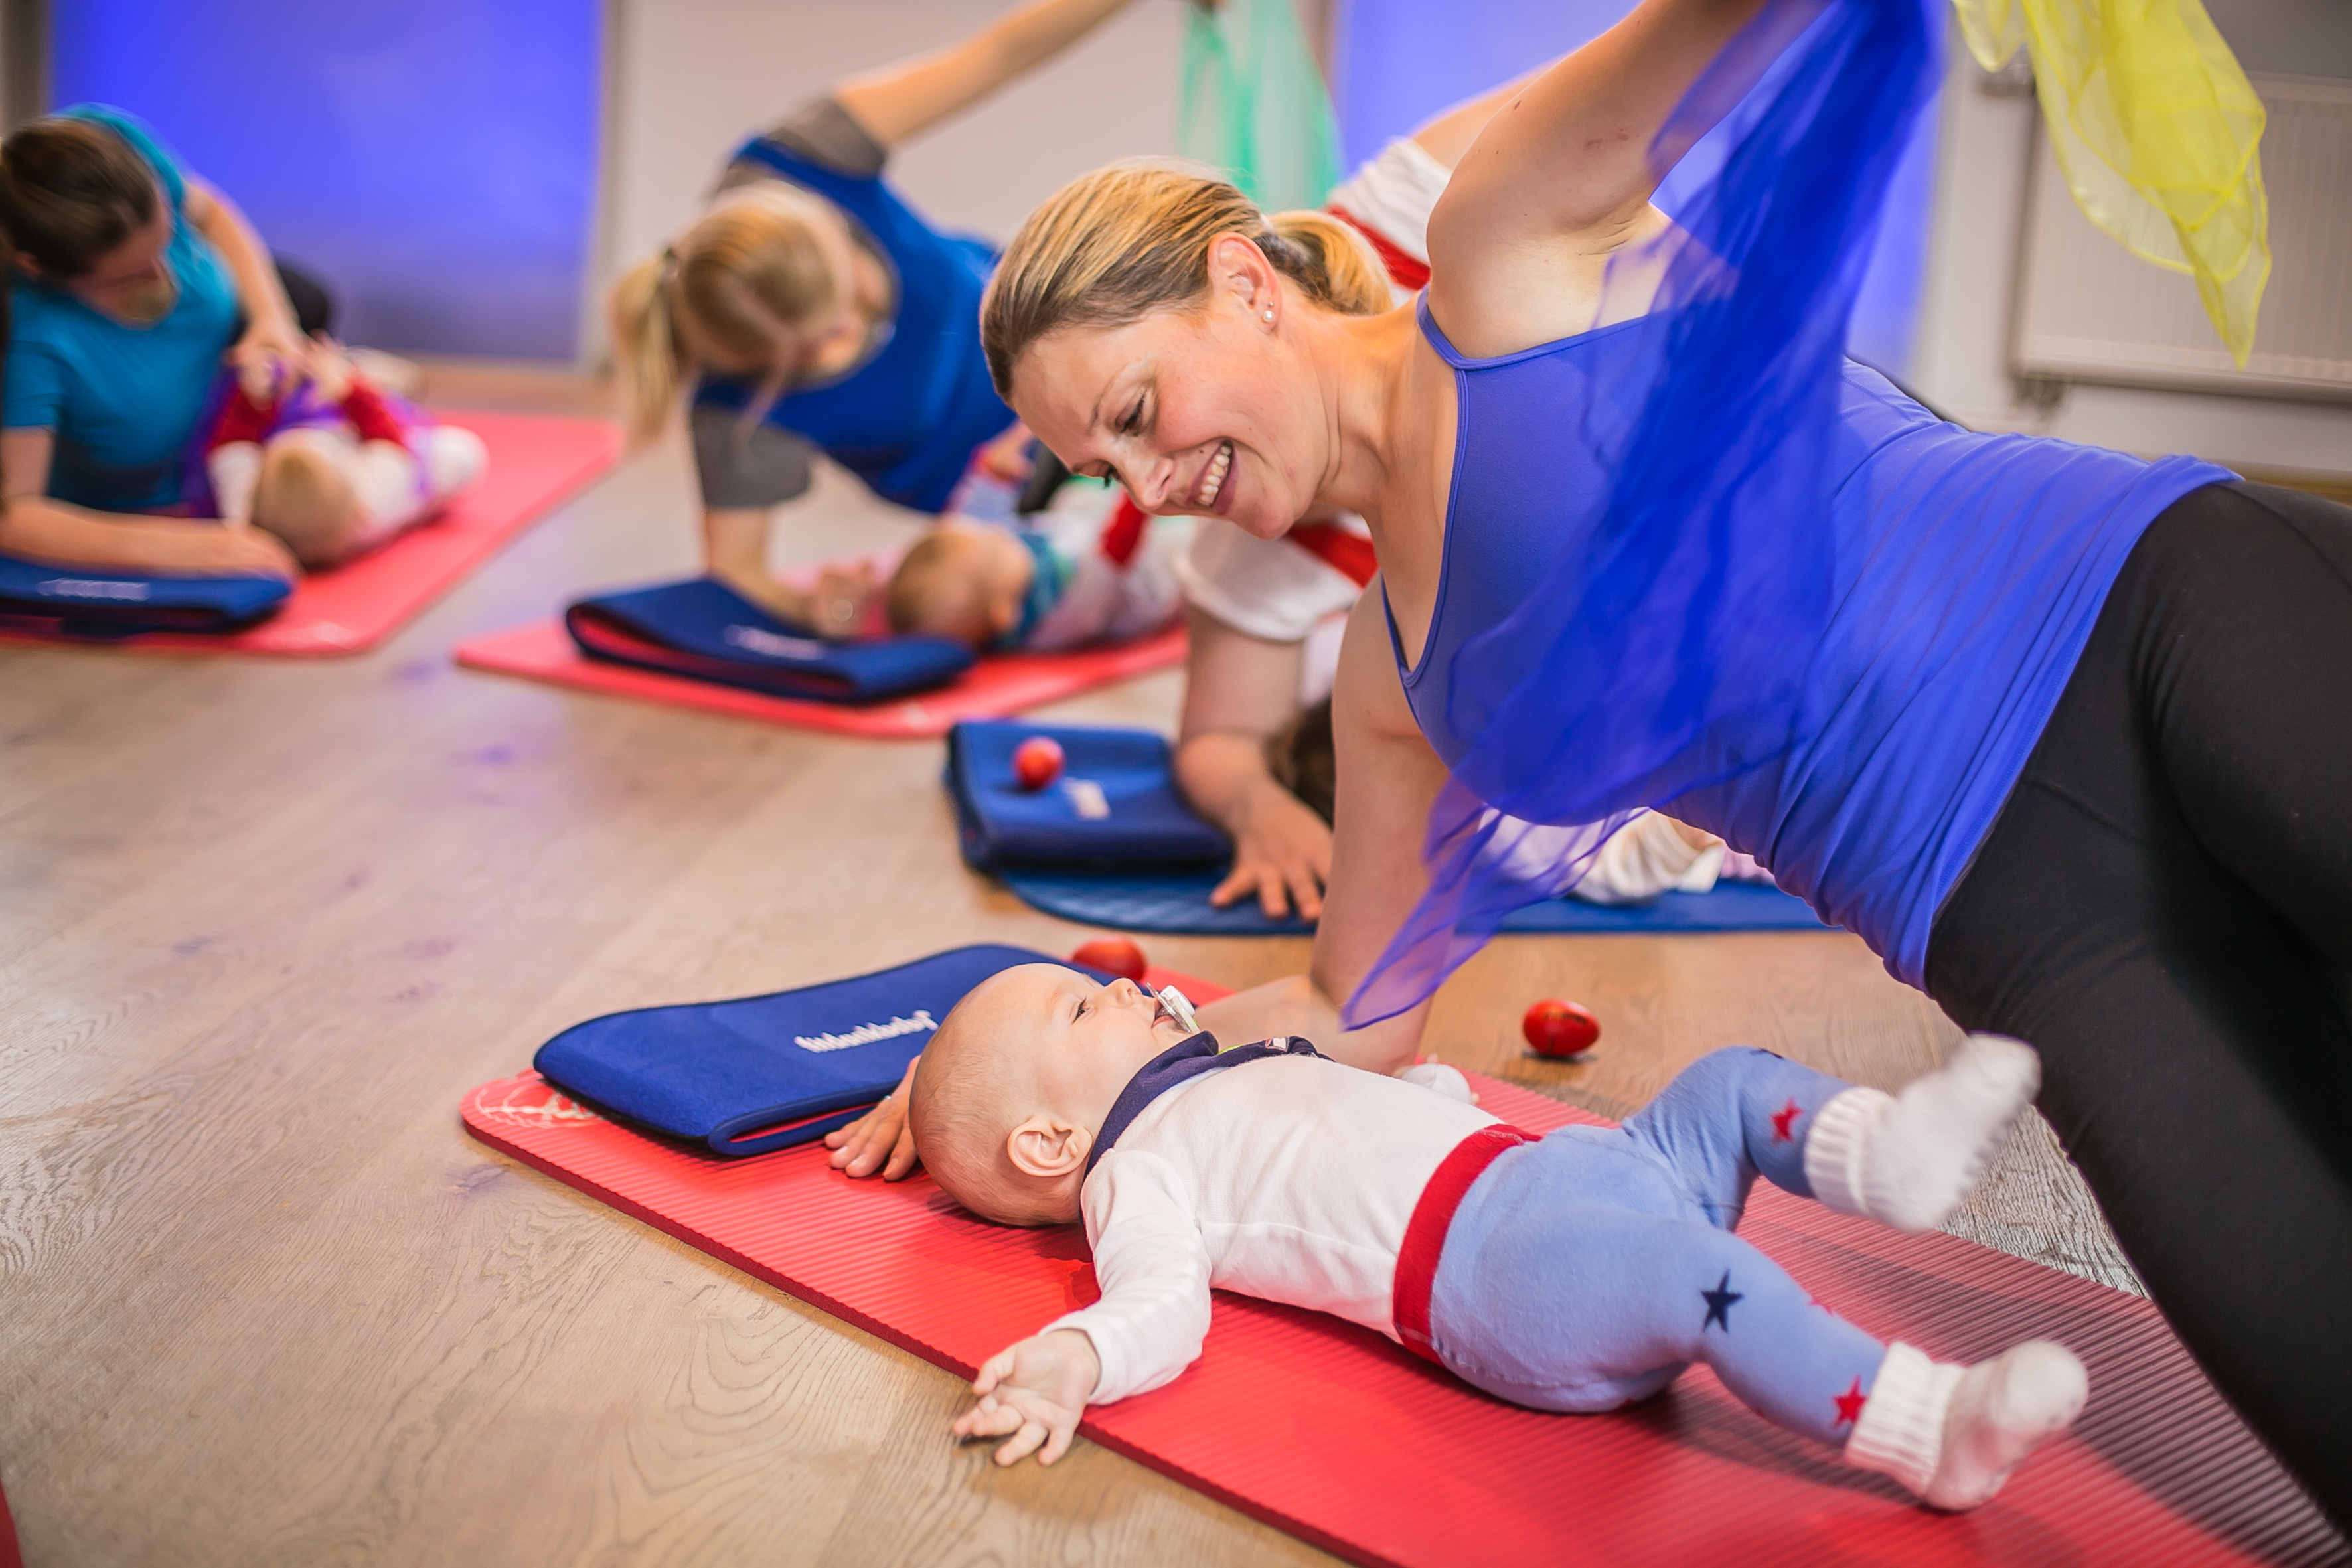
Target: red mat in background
996, 686
1340, 1437
536, 460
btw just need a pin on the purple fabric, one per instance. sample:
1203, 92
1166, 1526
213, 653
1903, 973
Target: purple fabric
301, 410
1699, 561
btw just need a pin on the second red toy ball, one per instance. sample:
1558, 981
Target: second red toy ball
1113, 955
1557, 1028
1037, 762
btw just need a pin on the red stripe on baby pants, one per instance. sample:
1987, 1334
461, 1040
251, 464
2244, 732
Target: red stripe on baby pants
1405, 270
1344, 551
1424, 1235
369, 414
1124, 531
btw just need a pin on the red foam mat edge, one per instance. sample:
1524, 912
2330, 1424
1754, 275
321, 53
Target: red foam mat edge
995, 687
535, 461
1340, 1437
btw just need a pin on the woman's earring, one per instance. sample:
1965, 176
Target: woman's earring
1269, 315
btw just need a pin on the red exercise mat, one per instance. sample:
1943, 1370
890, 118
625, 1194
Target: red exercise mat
996, 686
1342, 1438
8, 1553
536, 460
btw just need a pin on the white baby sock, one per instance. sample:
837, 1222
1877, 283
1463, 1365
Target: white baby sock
454, 458
235, 471
1908, 1160
1952, 1434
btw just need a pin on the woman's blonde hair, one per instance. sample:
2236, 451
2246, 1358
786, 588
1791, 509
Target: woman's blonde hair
746, 281
1115, 246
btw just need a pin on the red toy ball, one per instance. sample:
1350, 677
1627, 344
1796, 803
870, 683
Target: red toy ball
1557, 1028
1037, 762
1113, 955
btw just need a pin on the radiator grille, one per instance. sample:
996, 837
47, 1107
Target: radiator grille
2090, 311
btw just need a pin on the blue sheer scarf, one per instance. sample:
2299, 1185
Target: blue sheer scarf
1666, 629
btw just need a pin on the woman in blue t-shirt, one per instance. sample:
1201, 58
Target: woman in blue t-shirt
131, 281
811, 311
2060, 733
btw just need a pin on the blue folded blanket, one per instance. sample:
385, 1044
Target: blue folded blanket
1115, 805
767, 1072
703, 629
119, 604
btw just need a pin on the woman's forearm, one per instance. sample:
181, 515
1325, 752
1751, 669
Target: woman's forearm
904, 100
1221, 773
1388, 780
44, 530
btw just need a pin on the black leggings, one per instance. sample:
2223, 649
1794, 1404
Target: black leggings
2164, 908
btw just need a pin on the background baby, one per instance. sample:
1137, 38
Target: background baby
1074, 576
331, 465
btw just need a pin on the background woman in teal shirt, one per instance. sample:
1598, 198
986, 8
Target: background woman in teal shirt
130, 283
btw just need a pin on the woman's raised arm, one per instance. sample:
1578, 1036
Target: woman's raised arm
1562, 174
900, 100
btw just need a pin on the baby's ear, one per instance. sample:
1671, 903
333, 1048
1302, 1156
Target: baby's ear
1048, 1147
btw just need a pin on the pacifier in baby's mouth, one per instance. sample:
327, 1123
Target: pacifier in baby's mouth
1179, 1008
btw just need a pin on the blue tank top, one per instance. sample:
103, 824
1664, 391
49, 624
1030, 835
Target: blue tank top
907, 419
1966, 572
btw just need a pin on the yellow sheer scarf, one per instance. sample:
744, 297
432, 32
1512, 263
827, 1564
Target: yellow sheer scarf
2158, 134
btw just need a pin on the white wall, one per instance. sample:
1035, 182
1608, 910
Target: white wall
1968, 311
691, 79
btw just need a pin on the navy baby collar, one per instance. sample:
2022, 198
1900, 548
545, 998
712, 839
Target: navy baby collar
1177, 1064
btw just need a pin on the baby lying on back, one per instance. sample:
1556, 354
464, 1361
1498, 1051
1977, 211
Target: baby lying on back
1574, 1272
331, 466
1050, 582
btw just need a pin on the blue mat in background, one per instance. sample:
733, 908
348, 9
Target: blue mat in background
1176, 903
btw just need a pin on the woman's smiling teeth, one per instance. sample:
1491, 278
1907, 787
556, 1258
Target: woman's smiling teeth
1212, 478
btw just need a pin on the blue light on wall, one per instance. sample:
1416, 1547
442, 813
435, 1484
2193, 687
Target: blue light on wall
1398, 62
435, 161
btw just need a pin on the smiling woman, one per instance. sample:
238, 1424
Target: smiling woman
1099, 299
2021, 714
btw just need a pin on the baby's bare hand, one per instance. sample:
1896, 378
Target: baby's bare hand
882, 1140
1033, 1394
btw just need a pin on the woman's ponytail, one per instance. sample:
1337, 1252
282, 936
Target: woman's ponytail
644, 343
1339, 273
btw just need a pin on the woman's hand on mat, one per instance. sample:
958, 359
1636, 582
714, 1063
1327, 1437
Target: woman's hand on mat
1033, 1394
1282, 852
882, 1140
211, 547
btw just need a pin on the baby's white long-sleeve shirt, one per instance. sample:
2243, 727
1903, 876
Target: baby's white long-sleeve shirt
1291, 1178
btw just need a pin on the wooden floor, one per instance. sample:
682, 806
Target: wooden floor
262, 1301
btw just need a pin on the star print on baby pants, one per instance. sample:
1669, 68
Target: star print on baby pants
1591, 1268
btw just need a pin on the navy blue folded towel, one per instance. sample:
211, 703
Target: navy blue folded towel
767, 1072
703, 629
1115, 805
119, 604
